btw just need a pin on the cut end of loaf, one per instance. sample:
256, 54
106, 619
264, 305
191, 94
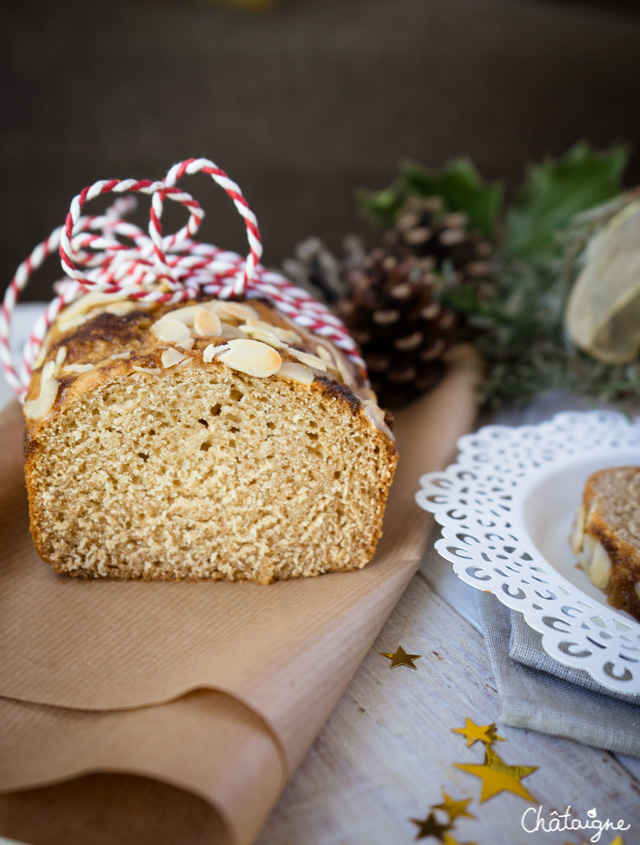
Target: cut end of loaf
207, 474
606, 536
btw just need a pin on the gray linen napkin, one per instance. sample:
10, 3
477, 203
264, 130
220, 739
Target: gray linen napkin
538, 693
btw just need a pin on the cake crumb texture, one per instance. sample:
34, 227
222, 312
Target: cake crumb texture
149, 470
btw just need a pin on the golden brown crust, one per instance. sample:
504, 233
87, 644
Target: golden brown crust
96, 340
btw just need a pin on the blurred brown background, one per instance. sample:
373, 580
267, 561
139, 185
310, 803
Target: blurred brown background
300, 102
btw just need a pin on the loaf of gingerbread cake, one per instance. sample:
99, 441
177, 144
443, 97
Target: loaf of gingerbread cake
606, 536
210, 440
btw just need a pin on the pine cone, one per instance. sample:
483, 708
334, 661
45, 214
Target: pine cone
423, 229
315, 269
392, 312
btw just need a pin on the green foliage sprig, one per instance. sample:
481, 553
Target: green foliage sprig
517, 314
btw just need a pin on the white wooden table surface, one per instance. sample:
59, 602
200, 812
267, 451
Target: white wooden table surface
387, 751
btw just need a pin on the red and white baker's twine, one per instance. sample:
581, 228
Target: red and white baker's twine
177, 267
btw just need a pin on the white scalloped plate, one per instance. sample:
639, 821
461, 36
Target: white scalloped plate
506, 509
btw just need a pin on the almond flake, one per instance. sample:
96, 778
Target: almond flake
207, 323
60, 356
185, 315
171, 357
36, 408
229, 331
265, 337
186, 344
238, 310
122, 308
170, 331
252, 357
287, 335
296, 372
152, 371
212, 350
309, 360
78, 368
376, 416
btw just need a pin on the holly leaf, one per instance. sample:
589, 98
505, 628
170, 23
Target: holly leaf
555, 191
458, 183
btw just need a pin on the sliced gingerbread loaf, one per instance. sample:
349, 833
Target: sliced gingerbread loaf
213, 440
606, 536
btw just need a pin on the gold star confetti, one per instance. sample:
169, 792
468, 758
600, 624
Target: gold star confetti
454, 809
497, 776
401, 658
449, 840
478, 733
431, 827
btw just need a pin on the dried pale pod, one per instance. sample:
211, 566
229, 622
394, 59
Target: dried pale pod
171, 357
296, 372
252, 357
207, 323
603, 309
170, 331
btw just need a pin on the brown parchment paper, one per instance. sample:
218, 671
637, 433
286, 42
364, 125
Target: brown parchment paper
286, 652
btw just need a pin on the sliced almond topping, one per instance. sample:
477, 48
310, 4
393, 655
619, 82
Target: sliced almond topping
230, 331
212, 350
60, 356
600, 569
309, 360
119, 309
296, 372
78, 368
186, 344
252, 357
287, 335
323, 352
185, 315
238, 310
48, 370
265, 337
170, 331
171, 357
578, 531
376, 416
120, 355
36, 408
261, 325
207, 323
152, 371
588, 546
